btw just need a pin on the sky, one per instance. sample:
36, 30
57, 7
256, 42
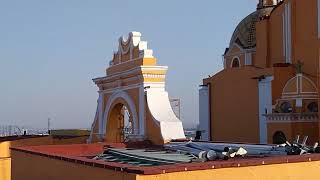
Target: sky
50, 50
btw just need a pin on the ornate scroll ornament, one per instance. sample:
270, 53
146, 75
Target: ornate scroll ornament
131, 48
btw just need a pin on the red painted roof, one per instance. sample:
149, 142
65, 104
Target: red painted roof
81, 154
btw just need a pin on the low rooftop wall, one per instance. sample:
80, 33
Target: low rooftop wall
73, 162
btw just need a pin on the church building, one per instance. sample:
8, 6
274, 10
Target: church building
267, 91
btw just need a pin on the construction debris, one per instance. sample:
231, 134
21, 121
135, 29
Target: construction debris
297, 148
143, 157
187, 152
214, 151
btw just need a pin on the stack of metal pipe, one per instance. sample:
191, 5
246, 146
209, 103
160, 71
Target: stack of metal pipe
214, 151
207, 151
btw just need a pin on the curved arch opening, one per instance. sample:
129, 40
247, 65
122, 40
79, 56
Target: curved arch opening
120, 106
279, 138
235, 62
120, 124
313, 107
286, 107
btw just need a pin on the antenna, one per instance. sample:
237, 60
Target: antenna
49, 125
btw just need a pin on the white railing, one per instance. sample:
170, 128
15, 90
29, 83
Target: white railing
12, 130
292, 117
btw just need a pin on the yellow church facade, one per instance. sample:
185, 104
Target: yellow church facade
268, 89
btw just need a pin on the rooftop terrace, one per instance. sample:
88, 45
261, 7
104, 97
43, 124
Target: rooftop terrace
152, 160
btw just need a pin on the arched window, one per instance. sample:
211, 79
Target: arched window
235, 63
313, 107
279, 138
286, 107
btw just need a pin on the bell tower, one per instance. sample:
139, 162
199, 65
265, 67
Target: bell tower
133, 104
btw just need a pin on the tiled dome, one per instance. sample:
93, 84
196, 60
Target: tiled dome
245, 33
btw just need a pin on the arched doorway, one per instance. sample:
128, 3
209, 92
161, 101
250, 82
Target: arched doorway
120, 124
279, 138
120, 119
